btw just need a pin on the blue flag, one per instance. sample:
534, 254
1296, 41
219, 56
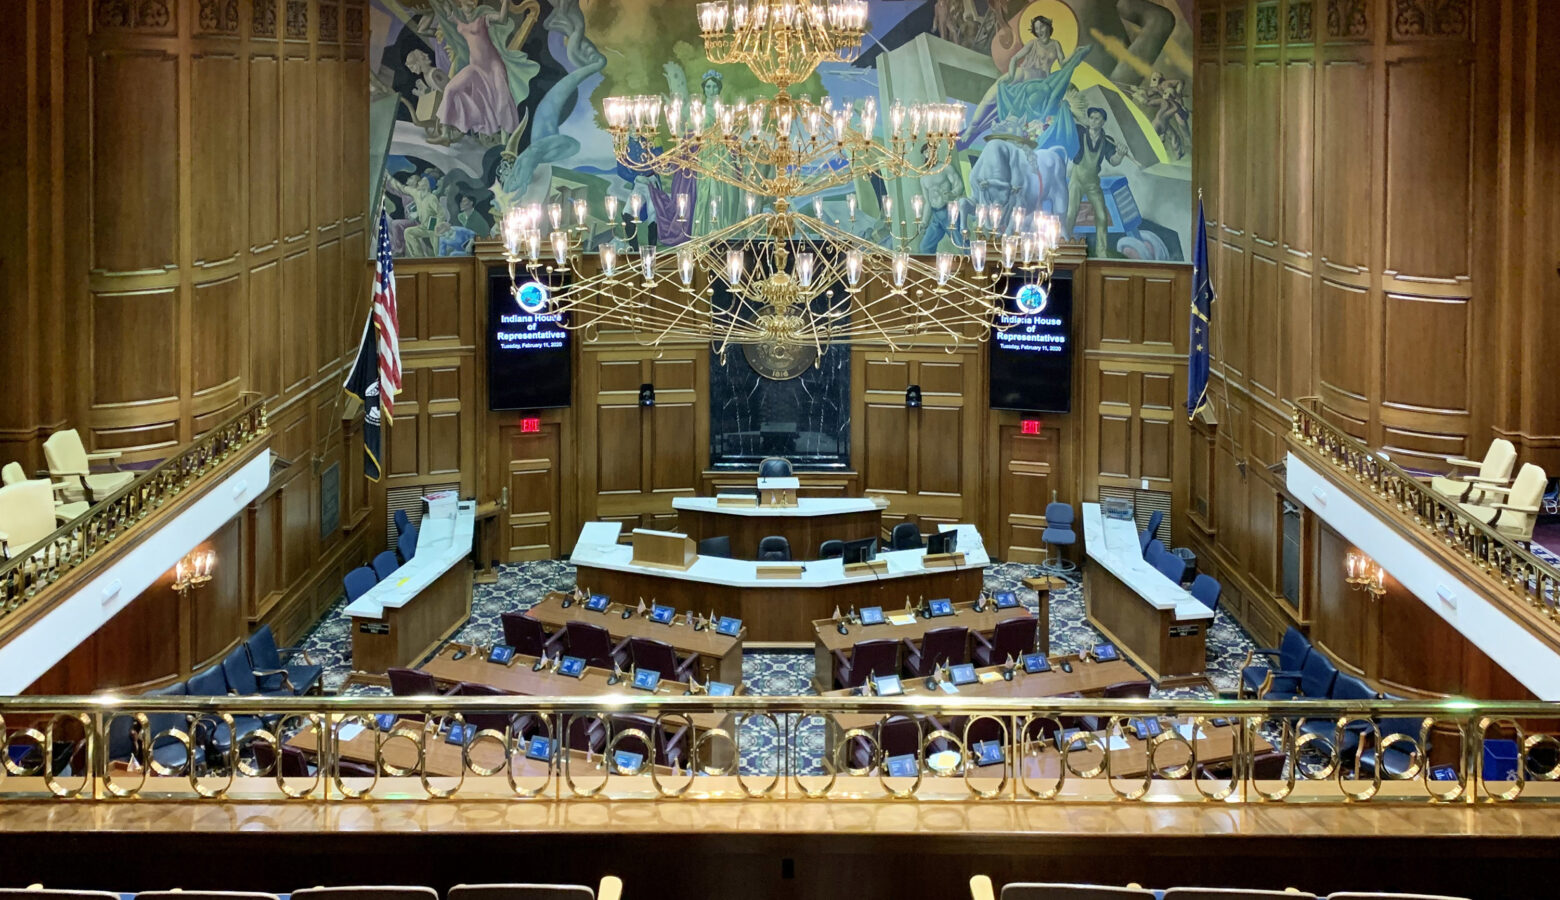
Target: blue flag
1202, 308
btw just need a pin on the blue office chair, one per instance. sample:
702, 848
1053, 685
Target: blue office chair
1151, 531
1345, 687
1317, 676
210, 731
1207, 589
406, 544
385, 564
1170, 566
274, 664
1285, 660
167, 749
359, 581
402, 522
1397, 758
1058, 529
1153, 551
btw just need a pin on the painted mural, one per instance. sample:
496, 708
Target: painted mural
1080, 108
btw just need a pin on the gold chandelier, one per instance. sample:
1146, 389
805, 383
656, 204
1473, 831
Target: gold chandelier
778, 278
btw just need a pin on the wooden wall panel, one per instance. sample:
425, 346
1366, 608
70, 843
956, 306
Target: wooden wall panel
1344, 188
1429, 233
134, 217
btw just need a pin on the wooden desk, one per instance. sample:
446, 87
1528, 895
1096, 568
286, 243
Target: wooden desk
720, 656
1149, 617
827, 638
421, 604
811, 522
775, 610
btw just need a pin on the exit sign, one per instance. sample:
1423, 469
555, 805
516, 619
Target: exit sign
1029, 426
531, 425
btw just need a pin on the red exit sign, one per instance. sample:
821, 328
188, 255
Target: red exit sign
530, 425
1029, 426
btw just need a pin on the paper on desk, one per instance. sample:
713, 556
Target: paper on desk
901, 619
1185, 729
1116, 742
349, 731
902, 562
948, 687
988, 677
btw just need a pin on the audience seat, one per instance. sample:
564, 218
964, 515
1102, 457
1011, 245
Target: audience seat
1352, 895
1494, 469
1513, 511
406, 544
212, 731
950, 645
774, 548
358, 582
1285, 659
374, 892
385, 564
69, 461
905, 536
1207, 589
715, 546
880, 657
1397, 760
241, 679
524, 633
1199, 893
42, 893
658, 656
167, 749
26, 516
1011, 638
981, 889
1344, 687
205, 895
611, 888
274, 667
13, 473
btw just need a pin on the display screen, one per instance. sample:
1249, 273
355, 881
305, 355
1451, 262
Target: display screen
527, 346
1032, 361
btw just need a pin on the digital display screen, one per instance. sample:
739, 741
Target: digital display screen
1032, 361
527, 346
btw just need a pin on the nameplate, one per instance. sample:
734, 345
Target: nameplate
870, 567
942, 560
1185, 630
736, 501
373, 627
779, 570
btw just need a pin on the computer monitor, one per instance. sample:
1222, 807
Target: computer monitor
860, 551
942, 542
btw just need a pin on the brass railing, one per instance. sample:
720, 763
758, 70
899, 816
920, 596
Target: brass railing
25, 576
1516, 569
763, 748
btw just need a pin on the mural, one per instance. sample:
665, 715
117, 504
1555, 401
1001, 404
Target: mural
1076, 107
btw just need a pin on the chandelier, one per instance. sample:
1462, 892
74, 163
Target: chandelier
784, 276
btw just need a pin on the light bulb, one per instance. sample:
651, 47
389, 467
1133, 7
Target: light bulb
608, 258
804, 269
978, 255
901, 267
953, 214
944, 267
555, 213
560, 246
636, 204
533, 241
752, 203
888, 208
853, 266
581, 212
685, 265
817, 205
647, 262
682, 206
850, 204
714, 211
734, 267
918, 205
612, 208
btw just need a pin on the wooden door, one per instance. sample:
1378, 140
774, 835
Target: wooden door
529, 527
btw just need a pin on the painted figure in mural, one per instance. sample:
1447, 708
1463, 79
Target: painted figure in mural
1014, 172
1166, 99
429, 92
424, 213
941, 189
1033, 88
727, 198
1094, 150
487, 79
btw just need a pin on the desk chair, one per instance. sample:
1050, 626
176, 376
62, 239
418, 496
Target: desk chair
896, 736
981, 889
593, 643
212, 731
296, 764
715, 546
524, 633
1316, 679
69, 461
376, 892
950, 645
521, 724
406, 544
406, 682
1494, 469
26, 517
775, 467
611, 888
275, 664
1012, 637
1286, 659
385, 564
867, 658
42, 893
905, 536
167, 749
1128, 689
1058, 529
1397, 758
774, 548
1149, 533
658, 656
1344, 687
241, 677
205, 895
1207, 589
670, 745
1170, 566
1518, 513
403, 521
358, 582
831, 549
1196, 893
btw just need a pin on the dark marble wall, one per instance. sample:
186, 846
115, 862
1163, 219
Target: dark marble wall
806, 418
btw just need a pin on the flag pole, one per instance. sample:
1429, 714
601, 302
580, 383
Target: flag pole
341, 394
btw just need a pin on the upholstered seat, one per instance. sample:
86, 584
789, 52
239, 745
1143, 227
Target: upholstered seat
774, 548
1513, 511
385, 564
358, 582
1494, 469
719, 545
658, 656
611, 888
905, 536
275, 667
1011, 638
939, 646
775, 467
69, 461
866, 658
1285, 661
524, 633
26, 516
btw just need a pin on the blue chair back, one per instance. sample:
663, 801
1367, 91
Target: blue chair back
1207, 589
359, 581
406, 544
1293, 650
262, 649
402, 522
1348, 687
1058, 514
1153, 551
1149, 533
210, 683
385, 564
160, 722
1170, 566
240, 677
1317, 676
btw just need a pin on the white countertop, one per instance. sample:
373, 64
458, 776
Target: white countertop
1113, 543
598, 547
805, 506
441, 544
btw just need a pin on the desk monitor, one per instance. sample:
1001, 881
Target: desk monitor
942, 542
902, 766
572, 666
646, 679
988, 753
627, 762
539, 748
872, 615
941, 607
1443, 773
597, 603
730, 626
502, 654
721, 689
385, 721
887, 685
963, 673
860, 551
1105, 652
458, 734
1005, 599
662, 615
1035, 663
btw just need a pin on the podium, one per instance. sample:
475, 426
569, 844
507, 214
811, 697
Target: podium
778, 491
666, 549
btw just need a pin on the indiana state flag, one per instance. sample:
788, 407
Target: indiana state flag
1202, 308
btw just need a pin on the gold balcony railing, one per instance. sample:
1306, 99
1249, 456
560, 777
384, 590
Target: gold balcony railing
1404, 495
24, 577
748, 749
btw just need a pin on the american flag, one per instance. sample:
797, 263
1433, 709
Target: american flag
386, 321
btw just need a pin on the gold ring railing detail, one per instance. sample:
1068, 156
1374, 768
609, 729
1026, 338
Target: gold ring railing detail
1502, 559
755, 749
26, 575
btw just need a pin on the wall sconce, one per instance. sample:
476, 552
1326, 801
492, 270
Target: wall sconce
647, 395
913, 397
1364, 574
193, 571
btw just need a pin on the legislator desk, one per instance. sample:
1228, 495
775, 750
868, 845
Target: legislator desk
720, 656
1149, 617
1129, 754
809, 523
827, 637
417, 607
774, 610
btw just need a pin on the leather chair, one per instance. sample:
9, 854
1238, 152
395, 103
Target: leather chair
403, 521
274, 667
1494, 469
1012, 637
406, 544
1058, 526
413, 683
206, 895
775, 467
1515, 516
774, 548
524, 633
69, 461
375, 892
905, 536
1397, 758
1207, 589
831, 549
670, 746
521, 723
593, 643
13, 473
950, 645
1286, 659
385, 564
1316, 676
658, 656
358, 582
26, 518
1344, 687
296, 764
1352, 895
611, 888
212, 731
56, 894
241, 678
1125, 689
167, 749
715, 546
896, 736
880, 656
1147, 534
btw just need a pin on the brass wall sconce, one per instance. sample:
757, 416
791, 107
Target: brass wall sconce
193, 571
1364, 574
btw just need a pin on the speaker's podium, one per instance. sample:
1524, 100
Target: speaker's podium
664, 549
778, 491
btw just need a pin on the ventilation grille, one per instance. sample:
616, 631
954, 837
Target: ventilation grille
1144, 503
409, 499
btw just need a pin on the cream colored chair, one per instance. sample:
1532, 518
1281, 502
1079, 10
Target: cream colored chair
1515, 517
1495, 469
26, 516
13, 473
69, 461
